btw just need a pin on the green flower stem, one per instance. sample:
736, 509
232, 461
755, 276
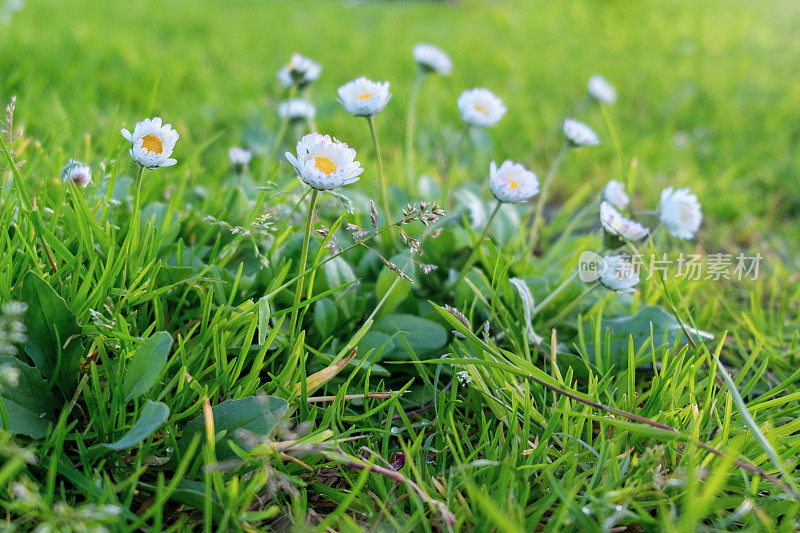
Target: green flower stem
298, 292
410, 122
448, 171
537, 216
384, 192
137, 198
477, 247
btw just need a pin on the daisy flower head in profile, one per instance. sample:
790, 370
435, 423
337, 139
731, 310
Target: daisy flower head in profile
480, 107
239, 157
296, 110
363, 97
680, 213
579, 134
620, 227
614, 193
618, 274
324, 163
300, 71
77, 172
601, 90
152, 143
432, 59
512, 182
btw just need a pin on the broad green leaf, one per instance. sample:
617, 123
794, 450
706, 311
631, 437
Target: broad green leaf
51, 328
325, 316
146, 364
191, 493
153, 416
30, 404
423, 335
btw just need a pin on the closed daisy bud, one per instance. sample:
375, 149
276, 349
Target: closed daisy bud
512, 182
618, 274
431, 58
324, 163
619, 226
680, 212
579, 134
480, 107
363, 97
77, 172
614, 193
601, 90
152, 143
300, 70
296, 109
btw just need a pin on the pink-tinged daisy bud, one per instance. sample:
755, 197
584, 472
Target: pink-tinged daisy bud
680, 213
579, 134
480, 107
77, 172
618, 226
363, 97
324, 163
152, 143
432, 59
512, 182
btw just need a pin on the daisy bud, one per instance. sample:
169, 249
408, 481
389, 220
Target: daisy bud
363, 97
480, 108
620, 227
601, 90
323, 163
432, 59
579, 134
512, 182
680, 212
152, 143
296, 110
77, 172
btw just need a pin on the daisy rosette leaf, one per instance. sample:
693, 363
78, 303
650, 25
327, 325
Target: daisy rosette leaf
480, 107
618, 274
614, 193
300, 70
324, 163
363, 97
77, 172
620, 227
296, 110
579, 134
512, 182
601, 90
432, 59
680, 212
152, 143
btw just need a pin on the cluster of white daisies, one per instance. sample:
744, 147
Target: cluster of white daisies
325, 163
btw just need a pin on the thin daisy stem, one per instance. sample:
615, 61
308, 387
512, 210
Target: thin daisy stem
448, 170
384, 192
298, 292
410, 123
537, 216
477, 247
137, 196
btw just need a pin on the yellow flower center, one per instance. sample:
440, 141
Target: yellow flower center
481, 109
152, 143
365, 96
325, 165
512, 184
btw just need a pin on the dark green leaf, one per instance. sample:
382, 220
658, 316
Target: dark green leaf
423, 335
153, 416
145, 366
30, 404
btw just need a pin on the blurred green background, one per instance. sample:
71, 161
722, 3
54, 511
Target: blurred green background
709, 91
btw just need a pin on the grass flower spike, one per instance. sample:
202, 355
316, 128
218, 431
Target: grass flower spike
296, 110
512, 182
614, 193
480, 107
618, 274
324, 163
152, 143
601, 90
680, 212
363, 97
77, 172
300, 71
432, 59
579, 134
617, 225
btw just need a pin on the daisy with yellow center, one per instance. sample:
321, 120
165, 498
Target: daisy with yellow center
512, 182
324, 163
363, 97
152, 143
480, 108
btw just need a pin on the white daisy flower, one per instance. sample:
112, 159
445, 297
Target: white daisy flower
680, 212
296, 109
480, 107
618, 274
77, 172
619, 226
601, 90
431, 58
579, 134
152, 143
512, 182
325, 163
239, 157
614, 193
363, 97
300, 70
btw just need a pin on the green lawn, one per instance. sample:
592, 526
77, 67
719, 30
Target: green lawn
145, 311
